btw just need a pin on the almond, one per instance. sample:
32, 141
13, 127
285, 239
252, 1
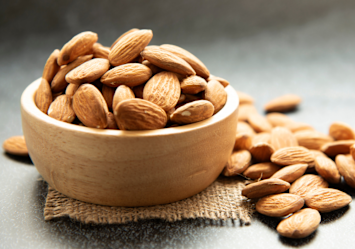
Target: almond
352, 151
327, 199
261, 170
90, 106
71, 89
265, 187
244, 136
216, 94
278, 119
298, 126
166, 60
138, 91
346, 167
306, 184
341, 131
107, 93
237, 163
130, 74
88, 71
279, 205
300, 224
15, 145
338, 147
245, 98
111, 122
282, 137
262, 137
259, 123
262, 151
122, 92
44, 96
59, 83
243, 127
129, 47
283, 103
292, 155
62, 109
193, 84
245, 110
224, 82
163, 89
312, 139
192, 112
195, 63
152, 67
327, 169
100, 51
124, 34
79, 45
51, 67
139, 114
291, 173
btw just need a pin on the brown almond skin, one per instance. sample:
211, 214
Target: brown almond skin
261, 170
306, 184
124, 34
216, 94
300, 224
282, 137
192, 112
152, 67
122, 92
51, 67
100, 51
346, 167
15, 145
193, 84
327, 199
129, 47
163, 89
139, 114
291, 173
312, 139
44, 96
298, 126
292, 155
245, 98
337, 147
265, 187
90, 106
166, 60
244, 127
88, 71
279, 205
79, 45
262, 151
341, 131
283, 103
71, 89
224, 82
59, 83
111, 122
195, 63
245, 110
278, 119
352, 151
262, 137
108, 93
62, 109
130, 74
259, 123
326, 168
237, 163
243, 141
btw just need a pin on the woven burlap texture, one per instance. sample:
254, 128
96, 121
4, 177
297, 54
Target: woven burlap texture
221, 200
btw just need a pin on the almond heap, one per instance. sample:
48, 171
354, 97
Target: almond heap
281, 151
128, 86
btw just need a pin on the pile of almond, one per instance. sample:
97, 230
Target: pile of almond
280, 155
128, 86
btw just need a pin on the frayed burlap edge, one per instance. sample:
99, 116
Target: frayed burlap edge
221, 200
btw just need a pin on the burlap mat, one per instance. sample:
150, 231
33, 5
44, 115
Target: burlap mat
221, 200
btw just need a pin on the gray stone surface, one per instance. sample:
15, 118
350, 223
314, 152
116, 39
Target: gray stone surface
265, 48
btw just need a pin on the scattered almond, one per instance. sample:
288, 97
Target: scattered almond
300, 224
283, 103
312, 139
306, 184
237, 163
341, 131
327, 199
261, 170
262, 137
282, 137
279, 205
292, 155
245, 98
291, 173
259, 123
265, 187
262, 151
337, 147
327, 169
346, 167
278, 119
245, 110
15, 146
298, 126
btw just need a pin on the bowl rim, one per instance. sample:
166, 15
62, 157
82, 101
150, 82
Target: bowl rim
28, 105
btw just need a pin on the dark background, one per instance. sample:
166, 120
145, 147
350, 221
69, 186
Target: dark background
265, 48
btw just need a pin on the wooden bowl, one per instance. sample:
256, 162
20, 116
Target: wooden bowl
128, 168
